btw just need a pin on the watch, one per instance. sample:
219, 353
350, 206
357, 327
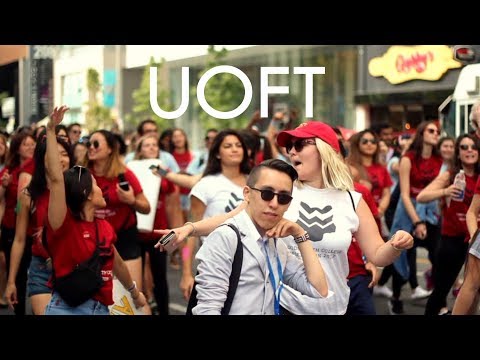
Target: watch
302, 238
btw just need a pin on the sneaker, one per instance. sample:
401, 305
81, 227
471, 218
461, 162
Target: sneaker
382, 290
420, 293
428, 279
395, 307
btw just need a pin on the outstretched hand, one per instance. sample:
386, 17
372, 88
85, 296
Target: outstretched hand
56, 116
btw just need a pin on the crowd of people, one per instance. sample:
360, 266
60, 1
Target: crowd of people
323, 222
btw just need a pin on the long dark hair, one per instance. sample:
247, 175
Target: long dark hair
38, 184
417, 144
214, 165
457, 163
78, 185
13, 157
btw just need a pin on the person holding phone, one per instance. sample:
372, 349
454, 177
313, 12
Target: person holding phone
121, 205
267, 264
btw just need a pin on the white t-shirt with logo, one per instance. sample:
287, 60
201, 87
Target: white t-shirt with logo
330, 219
218, 193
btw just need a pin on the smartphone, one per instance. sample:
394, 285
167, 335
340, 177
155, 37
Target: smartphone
124, 185
167, 238
154, 167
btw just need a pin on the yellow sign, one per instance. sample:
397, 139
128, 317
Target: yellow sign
404, 63
125, 308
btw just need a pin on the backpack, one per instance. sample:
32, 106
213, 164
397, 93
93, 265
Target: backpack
233, 280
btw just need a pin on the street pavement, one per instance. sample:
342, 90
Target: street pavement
411, 307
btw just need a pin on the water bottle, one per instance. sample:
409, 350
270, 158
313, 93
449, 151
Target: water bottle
460, 183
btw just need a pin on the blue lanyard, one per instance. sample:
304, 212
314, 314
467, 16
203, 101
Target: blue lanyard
272, 278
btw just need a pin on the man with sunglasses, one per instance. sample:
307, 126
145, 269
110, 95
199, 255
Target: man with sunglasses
74, 131
267, 264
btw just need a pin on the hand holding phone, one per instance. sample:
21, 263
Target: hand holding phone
122, 182
167, 238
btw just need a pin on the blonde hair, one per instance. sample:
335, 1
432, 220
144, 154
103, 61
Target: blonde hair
138, 149
335, 173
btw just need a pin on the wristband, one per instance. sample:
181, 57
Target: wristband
302, 238
133, 287
419, 223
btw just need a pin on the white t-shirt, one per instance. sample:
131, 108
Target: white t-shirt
218, 193
330, 219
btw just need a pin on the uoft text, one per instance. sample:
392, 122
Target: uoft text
265, 90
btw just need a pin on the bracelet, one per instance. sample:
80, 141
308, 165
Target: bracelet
302, 238
193, 227
133, 287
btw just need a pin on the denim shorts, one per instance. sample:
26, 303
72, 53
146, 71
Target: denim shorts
38, 275
57, 306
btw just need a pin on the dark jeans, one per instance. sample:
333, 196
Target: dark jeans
450, 256
361, 299
158, 265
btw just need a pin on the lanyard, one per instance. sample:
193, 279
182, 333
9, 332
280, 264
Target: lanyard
272, 278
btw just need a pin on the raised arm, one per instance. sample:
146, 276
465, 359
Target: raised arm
57, 206
437, 189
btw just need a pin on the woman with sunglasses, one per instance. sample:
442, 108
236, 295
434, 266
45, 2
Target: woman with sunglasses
325, 205
33, 205
452, 247
73, 232
418, 167
364, 156
219, 191
121, 205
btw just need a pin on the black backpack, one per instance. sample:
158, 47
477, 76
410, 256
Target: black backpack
233, 280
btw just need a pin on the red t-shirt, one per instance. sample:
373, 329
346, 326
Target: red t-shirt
454, 216
423, 171
9, 217
75, 242
356, 264
183, 160
37, 221
161, 221
117, 213
380, 179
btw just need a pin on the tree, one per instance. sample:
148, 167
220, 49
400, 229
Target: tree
97, 115
141, 108
223, 92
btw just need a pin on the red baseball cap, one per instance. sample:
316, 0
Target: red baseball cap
310, 129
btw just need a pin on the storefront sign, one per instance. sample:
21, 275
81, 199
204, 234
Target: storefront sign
404, 63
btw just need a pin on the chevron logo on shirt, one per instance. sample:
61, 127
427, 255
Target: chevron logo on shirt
316, 221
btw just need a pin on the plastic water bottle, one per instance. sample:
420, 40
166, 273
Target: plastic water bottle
460, 183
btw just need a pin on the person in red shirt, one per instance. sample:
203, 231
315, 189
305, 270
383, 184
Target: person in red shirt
121, 205
14, 177
73, 232
33, 205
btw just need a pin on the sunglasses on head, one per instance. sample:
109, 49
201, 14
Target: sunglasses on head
465, 147
80, 168
433, 131
299, 144
95, 144
366, 141
268, 195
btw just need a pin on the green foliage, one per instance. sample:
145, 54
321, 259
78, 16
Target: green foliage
141, 108
97, 115
223, 92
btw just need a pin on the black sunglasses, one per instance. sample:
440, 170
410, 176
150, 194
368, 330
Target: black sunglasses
299, 144
95, 144
433, 131
366, 141
268, 195
465, 147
